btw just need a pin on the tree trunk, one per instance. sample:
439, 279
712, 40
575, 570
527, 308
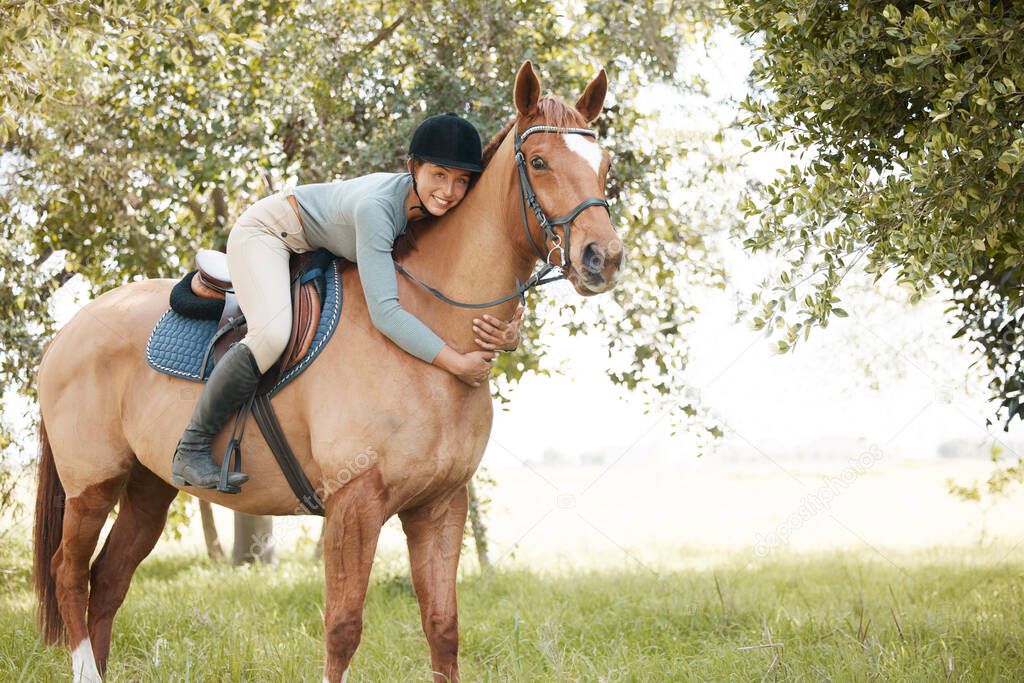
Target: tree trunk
318, 551
254, 539
213, 548
476, 522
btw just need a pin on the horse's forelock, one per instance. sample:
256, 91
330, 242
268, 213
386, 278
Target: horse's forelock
555, 112
551, 110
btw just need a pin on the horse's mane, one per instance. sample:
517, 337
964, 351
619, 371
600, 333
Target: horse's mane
552, 109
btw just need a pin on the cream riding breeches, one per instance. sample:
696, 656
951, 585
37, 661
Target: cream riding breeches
259, 247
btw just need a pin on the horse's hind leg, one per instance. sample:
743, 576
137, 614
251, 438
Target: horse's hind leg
84, 515
434, 535
140, 520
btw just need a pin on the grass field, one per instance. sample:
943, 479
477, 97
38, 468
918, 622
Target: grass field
842, 616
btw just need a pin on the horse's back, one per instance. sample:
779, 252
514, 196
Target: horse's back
115, 322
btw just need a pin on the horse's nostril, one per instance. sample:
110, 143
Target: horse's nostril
593, 259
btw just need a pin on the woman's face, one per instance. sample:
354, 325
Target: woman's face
440, 187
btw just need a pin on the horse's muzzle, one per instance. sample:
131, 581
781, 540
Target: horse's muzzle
599, 267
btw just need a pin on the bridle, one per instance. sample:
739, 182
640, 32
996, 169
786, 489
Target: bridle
528, 198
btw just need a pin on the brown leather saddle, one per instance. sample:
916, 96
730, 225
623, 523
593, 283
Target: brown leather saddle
213, 281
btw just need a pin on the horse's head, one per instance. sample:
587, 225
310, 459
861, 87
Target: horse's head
566, 168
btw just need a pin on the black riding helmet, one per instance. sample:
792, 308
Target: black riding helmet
448, 140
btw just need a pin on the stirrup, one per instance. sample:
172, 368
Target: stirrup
235, 447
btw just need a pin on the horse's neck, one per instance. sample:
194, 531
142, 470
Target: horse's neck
475, 254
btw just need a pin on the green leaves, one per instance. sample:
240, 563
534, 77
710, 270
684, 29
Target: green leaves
139, 131
910, 123
784, 20
1010, 160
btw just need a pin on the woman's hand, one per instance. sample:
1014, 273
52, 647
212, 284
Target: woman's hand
477, 367
497, 335
472, 368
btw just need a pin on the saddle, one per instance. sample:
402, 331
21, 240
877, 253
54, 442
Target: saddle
211, 281
207, 293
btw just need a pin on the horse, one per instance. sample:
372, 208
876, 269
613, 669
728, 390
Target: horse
378, 432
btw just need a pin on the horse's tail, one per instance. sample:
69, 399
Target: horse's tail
49, 530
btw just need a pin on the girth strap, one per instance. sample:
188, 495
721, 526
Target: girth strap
266, 418
263, 412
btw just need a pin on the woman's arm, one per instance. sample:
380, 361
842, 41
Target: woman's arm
374, 242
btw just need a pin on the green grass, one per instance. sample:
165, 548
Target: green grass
944, 615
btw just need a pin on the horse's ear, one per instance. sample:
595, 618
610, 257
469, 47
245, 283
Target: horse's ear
527, 89
591, 101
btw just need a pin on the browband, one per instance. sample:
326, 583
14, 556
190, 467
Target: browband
555, 129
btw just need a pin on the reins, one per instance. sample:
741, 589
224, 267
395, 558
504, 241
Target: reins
528, 197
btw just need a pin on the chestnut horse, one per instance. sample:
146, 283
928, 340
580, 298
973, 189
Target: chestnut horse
377, 431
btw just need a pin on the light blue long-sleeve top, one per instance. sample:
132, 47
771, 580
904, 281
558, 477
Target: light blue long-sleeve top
360, 219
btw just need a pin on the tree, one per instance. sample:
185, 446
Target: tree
213, 548
254, 539
155, 128
907, 117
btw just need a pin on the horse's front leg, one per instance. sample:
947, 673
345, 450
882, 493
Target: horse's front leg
434, 534
354, 516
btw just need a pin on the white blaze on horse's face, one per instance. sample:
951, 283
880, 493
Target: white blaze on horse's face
587, 148
596, 252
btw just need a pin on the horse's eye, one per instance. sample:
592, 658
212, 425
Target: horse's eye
538, 163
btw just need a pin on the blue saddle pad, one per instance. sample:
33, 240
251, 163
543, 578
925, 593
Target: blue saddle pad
177, 344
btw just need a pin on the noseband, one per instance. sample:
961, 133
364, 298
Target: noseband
528, 197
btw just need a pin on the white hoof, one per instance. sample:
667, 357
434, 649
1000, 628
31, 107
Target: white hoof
83, 664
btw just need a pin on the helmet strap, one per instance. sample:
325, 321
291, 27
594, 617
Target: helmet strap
415, 189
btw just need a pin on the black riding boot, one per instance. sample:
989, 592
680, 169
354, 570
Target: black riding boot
231, 383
